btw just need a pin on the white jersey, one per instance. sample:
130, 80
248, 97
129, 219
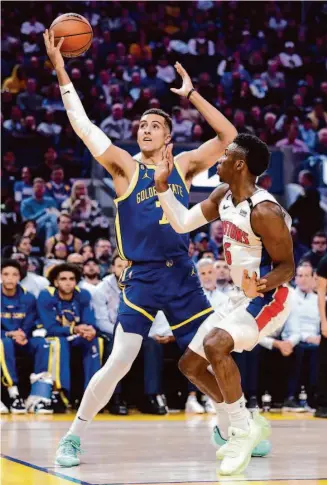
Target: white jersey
242, 247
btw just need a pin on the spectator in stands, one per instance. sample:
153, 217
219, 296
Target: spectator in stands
197, 135
308, 134
208, 279
53, 99
277, 22
14, 124
16, 82
86, 251
201, 46
18, 318
292, 141
32, 25
318, 115
303, 331
275, 81
165, 71
318, 249
182, 129
29, 231
41, 209
103, 254
58, 255
269, 134
64, 235
298, 249
216, 236
64, 311
29, 101
223, 279
106, 301
321, 411
50, 160
30, 281
88, 221
322, 142
91, 275
116, 126
289, 59
135, 87
49, 128
239, 123
57, 188
156, 85
24, 188
77, 259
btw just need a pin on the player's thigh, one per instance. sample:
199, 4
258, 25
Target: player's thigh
134, 322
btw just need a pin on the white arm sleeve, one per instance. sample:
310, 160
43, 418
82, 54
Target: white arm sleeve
95, 140
181, 219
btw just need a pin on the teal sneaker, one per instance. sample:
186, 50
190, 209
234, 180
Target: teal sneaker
262, 449
68, 448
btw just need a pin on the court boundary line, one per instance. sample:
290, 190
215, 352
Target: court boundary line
82, 482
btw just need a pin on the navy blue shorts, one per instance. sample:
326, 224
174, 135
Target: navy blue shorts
171, 286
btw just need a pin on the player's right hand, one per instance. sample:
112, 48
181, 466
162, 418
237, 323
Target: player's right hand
52, 50
252, 286
164, 168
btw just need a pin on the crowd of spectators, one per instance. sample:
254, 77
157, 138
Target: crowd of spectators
270, 81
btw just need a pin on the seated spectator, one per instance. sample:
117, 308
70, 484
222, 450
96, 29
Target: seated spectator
289, 59
86, 251
223, 279
208, 279
32, 282
32, 25
206, 87
131, 68
258, 87
16, 82
49, 128
317, 251
269, 134
14, 124
308, 135
299, 109
216, 236
277, 22
142, 104
106, 299
30, 230
116, 126
73, 244
135, 87
255, 118
197, 135
165, 71
53, 99
10, 220
57, 188
318, 115
64, 311
156, 85
292, 141
41, 209
201, 46
18, 318
103, 254
29, 101
322, 142
77, 260
91, 275
275, 81
58, 255
88, 221
182, 129
303, 330
24, 188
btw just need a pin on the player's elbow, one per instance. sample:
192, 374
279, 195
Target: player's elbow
289, 270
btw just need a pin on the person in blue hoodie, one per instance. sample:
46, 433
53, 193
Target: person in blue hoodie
18, 319
66, 314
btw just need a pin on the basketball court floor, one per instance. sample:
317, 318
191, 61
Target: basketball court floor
151, 450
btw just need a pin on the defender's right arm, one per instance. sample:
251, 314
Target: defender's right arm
118, 162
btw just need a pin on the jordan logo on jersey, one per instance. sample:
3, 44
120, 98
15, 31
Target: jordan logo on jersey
235, 233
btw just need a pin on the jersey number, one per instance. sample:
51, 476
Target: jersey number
164, 219
228, 254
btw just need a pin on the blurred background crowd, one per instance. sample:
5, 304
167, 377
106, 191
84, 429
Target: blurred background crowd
268, 77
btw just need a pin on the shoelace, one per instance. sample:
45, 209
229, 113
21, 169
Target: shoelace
70, 447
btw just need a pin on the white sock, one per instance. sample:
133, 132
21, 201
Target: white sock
223, 422
239, 415
13, 392
104, 382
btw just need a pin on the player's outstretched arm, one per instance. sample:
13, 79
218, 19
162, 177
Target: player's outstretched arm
114, 159
182, 219
268, 222
204, 157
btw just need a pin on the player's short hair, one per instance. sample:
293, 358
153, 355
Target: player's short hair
160, 112
11, 263
60, 268
256, 152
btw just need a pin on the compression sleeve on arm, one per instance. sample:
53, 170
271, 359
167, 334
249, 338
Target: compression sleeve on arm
95, 140
181, 219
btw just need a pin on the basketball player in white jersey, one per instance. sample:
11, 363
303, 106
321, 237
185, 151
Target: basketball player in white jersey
258, 249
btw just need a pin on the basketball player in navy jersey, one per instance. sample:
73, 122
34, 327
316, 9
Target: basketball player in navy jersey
160, 275
258, 249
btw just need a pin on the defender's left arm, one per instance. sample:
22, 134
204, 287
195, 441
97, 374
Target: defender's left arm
268, 222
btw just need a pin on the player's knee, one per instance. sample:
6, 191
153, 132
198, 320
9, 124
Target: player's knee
217, 344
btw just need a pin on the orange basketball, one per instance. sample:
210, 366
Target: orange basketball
77, 32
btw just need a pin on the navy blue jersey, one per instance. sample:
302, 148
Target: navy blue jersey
142, 231
18, 311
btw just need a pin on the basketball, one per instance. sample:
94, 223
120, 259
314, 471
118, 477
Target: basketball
77, 32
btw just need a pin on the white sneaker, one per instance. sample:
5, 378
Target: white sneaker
3, 408
208, 406
193, 406
237, 452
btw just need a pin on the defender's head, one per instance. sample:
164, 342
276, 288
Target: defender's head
154, 130
247, 156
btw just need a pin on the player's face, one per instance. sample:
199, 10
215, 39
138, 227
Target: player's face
222, 271
207, 276
119, 266
153, 133
228, 163
66, 282
304, 278
10, 278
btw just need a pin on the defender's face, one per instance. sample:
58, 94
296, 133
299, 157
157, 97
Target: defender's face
226, 164
153, 133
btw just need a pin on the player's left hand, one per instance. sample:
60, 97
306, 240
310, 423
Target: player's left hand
252, 286
187, 83
164, 168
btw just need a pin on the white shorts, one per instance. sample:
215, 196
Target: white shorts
247, 321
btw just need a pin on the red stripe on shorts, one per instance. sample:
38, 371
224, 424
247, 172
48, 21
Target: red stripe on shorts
274, 308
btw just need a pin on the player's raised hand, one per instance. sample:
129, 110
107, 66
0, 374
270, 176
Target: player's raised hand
164, 168
52, 50
252, 286
187, 83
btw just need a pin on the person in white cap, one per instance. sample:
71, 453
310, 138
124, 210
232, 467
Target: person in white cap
289, 59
